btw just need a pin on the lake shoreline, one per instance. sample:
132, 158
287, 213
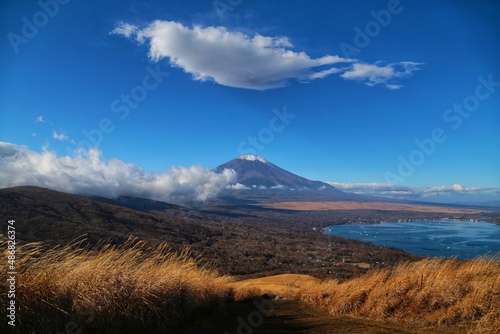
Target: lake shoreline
437, 238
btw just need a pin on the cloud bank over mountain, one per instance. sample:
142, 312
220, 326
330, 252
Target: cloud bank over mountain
257, 62
88, 173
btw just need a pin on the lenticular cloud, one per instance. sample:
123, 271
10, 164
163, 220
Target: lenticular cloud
234, 59
87, 173
230, 58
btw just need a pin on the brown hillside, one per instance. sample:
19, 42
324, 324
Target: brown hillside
246, 246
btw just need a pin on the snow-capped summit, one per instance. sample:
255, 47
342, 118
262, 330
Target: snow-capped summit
252, 157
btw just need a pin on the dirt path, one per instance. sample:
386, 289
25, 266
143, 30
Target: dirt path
287, 316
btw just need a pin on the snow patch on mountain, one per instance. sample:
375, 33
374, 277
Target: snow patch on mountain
252, 157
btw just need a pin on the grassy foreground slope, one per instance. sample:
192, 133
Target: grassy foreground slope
133, 288
115, 289
430, 292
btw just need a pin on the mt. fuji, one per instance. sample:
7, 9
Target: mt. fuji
255, 172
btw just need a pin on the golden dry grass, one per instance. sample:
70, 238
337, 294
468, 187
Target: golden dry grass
431, 292
279, 285
132, 288
128, 288
348, 205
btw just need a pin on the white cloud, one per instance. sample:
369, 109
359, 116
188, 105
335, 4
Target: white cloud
238, 60
455, 188
40, 119
377, 189
394, 86
125, 29
373, 74
237, 186
254, 186
87, 173
60, 136
230, 58
406, 192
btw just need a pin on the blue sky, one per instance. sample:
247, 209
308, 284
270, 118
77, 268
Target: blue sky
156, 84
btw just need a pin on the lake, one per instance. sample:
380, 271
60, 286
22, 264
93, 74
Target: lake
446, 238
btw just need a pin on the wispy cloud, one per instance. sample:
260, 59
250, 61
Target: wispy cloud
88, 173
373, 74
260, 62
40, 119
60, 136
237, 186
414, 193
377, 189
457, 188
125, 29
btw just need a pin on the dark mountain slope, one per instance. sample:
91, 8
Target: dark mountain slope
56, 218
